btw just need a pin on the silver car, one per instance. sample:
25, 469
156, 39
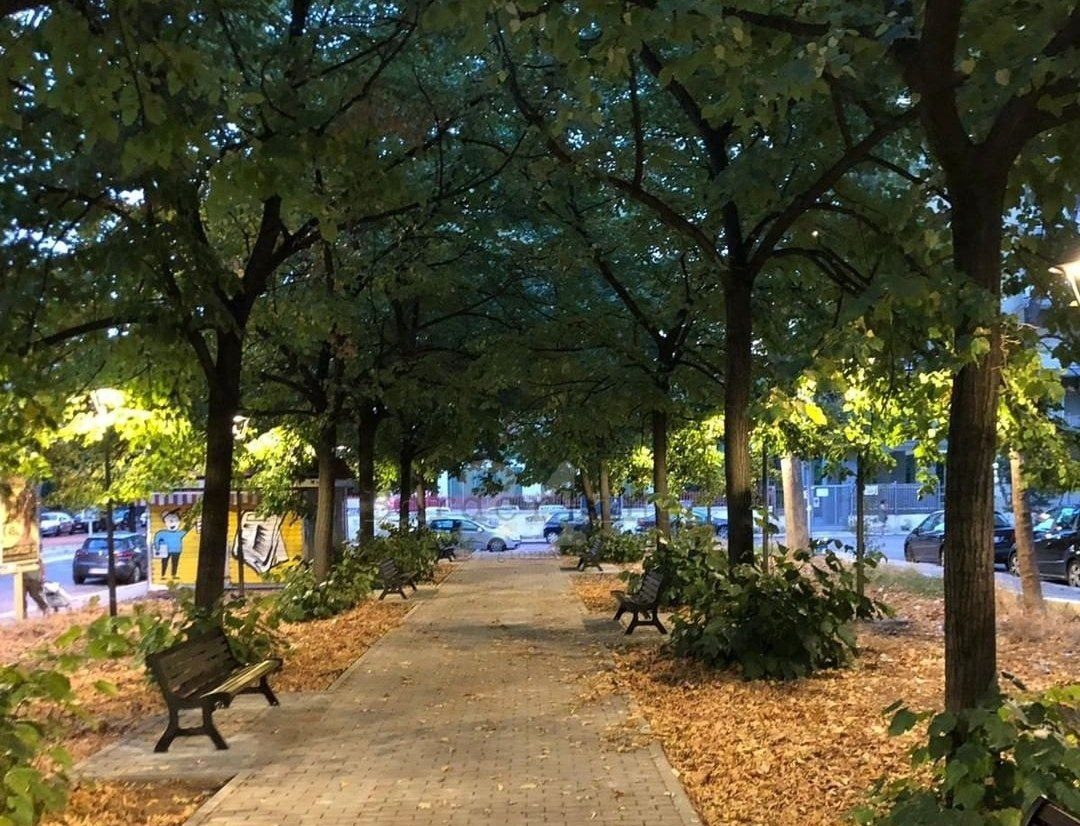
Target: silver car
474, 536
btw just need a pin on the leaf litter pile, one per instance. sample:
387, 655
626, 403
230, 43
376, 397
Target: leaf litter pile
804, 753
320, 651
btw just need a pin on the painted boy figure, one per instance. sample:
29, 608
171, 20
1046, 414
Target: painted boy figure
169, 542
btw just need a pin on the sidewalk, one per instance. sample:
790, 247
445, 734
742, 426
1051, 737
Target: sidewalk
466, 714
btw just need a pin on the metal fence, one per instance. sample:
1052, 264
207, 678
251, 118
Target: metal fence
834, 505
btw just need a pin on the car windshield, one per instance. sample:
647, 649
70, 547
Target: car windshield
101, 544
1065, 518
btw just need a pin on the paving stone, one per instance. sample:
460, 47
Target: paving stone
468, 713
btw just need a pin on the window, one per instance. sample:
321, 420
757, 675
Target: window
934, 522
471, 527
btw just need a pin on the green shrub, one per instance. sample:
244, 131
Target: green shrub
302, 599
415, 551
250, 624
34, 774
684, 560
985, 765
615, 546
786, 623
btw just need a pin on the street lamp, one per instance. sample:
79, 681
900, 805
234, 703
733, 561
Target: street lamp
239, 428
1071, 271
106, 401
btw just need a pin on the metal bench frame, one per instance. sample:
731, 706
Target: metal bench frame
393, 580
1045, 813
645, 600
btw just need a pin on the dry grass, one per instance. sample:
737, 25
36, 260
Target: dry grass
804, 753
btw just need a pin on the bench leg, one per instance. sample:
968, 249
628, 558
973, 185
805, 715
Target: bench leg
267, 692
659, 625
171, 730
210, 730
620, 612
634, 622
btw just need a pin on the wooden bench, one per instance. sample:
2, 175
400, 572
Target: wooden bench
645, 600
446, 548
393, 580
590, 555
203, 673
1045, 813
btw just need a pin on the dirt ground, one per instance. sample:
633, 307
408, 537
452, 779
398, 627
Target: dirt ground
804, 753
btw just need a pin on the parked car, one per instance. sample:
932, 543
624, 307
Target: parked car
55, 523
564, 520
130, 518
92, 559
1056, 549
924, 543
87, 520
474, 535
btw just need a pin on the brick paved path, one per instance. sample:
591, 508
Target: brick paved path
466, 714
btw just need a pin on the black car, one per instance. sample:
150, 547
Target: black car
564, 520
1056, 551
92, 559
87, 520
924, 544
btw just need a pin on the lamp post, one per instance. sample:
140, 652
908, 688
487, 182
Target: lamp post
240, 425
106, 401
1071, 271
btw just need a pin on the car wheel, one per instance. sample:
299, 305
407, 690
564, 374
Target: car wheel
136, 574
77, 579
550, 536
1072, 573
496, 546
1013, 565
908, 556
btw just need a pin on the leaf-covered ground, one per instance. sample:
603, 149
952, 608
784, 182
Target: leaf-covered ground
804, 753
319, 652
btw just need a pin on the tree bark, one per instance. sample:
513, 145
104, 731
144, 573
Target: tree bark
970, 642
589, 491
1030, 583
605, 496
323, 540
405, 483
421, 501
659, 474
797, 535
367, 428
860, 524
738, 475
223, 404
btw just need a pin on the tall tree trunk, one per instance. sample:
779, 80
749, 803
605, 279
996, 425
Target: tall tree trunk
323, 541
605, 496
589, 491
659, 472
970, 643
405, 472
860, 524
368, 426
222, 405
1030, 583
421, 500
797, 535
737, 472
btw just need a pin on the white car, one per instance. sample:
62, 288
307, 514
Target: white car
474, 535
56, 523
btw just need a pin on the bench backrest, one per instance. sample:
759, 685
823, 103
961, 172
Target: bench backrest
1045, 813
649, 590
194, 663
388, 570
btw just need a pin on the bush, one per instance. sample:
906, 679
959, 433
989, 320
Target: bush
34, 775
415, 551
250, 624
302, 599
684, 560
985, 765
786, 623
614, 545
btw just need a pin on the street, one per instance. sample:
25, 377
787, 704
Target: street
57, 553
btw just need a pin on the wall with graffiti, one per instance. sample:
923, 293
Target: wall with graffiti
263, 542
